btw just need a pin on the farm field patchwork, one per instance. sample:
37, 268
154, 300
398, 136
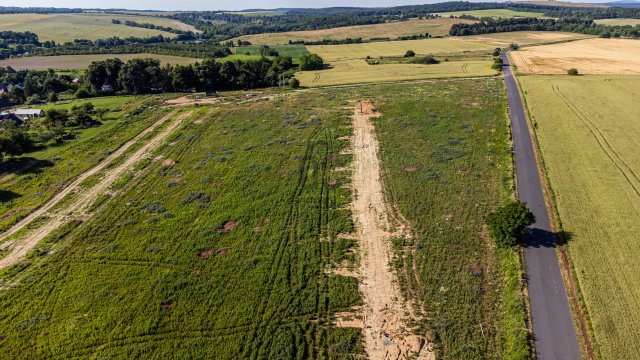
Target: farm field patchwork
591, 56
73, 62
93, 26
435, 27
236, 219
588, 129
452, 44
359, 71
495, 13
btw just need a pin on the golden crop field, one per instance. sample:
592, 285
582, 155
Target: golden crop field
435, 27
438, 45
72, 62
618, 22
91, 26
592, 56
495, 13
588, 128
358, 71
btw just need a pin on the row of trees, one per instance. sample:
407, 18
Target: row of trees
141, 76
488, 26
152, 27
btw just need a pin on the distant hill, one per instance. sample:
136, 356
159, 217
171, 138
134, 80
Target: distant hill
625, 3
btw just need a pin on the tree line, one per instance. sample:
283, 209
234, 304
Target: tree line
153, 27
583, 26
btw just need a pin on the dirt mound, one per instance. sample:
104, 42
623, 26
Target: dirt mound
205, 254
227, 227
168, 163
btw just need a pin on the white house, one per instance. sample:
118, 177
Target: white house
27, 114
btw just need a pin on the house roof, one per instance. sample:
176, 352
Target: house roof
28, 112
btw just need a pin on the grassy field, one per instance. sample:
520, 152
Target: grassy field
28, 182
295, 51
591, 56
72, 62
225, 249
444, 149
359, 71
589, 130
495, 13
435, 27
618, 22
67, 27
215, 267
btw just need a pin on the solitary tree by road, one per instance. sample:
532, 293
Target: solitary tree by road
573, 72
508, 224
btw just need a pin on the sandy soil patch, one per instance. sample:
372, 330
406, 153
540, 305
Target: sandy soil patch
385, 315
592, 56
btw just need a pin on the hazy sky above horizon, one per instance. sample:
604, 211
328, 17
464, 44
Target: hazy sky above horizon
212, 5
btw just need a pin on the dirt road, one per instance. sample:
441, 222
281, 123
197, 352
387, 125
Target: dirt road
385, 312
86, 197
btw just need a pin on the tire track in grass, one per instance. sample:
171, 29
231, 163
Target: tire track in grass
254, 340
627, 172
88, 196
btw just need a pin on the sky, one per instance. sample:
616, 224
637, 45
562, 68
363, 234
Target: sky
211, 5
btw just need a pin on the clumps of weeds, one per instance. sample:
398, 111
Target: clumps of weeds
195, 196
153, 208
227, 227
199, 165
34, 320
154, 249
153, 220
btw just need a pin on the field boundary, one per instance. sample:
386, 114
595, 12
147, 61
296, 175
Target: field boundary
580, 314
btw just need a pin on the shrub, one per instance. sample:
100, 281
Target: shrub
496, 51
572, 72
507, 225
311, 62
410, 53
514, 46
294, 83
427, 60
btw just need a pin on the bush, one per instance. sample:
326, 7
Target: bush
294, 83
410, 53
311, 62
496, 51
573, 72
427, 60
508, 224
82, 93
514, 46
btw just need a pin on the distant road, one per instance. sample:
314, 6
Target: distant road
555, 336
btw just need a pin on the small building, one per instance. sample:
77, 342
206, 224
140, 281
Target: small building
28, 114
77, 81
107, 88
7, 117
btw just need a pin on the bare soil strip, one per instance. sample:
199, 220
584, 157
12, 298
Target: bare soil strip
85, 197
385, 313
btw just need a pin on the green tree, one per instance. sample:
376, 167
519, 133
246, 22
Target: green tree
294, 83
508, 224
573, 72
410, 53
311, 62
14, 141
496, 51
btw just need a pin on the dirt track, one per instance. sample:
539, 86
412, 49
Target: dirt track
86, 197
385, 314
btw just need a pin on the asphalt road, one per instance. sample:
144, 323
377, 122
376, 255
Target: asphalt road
555, 336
